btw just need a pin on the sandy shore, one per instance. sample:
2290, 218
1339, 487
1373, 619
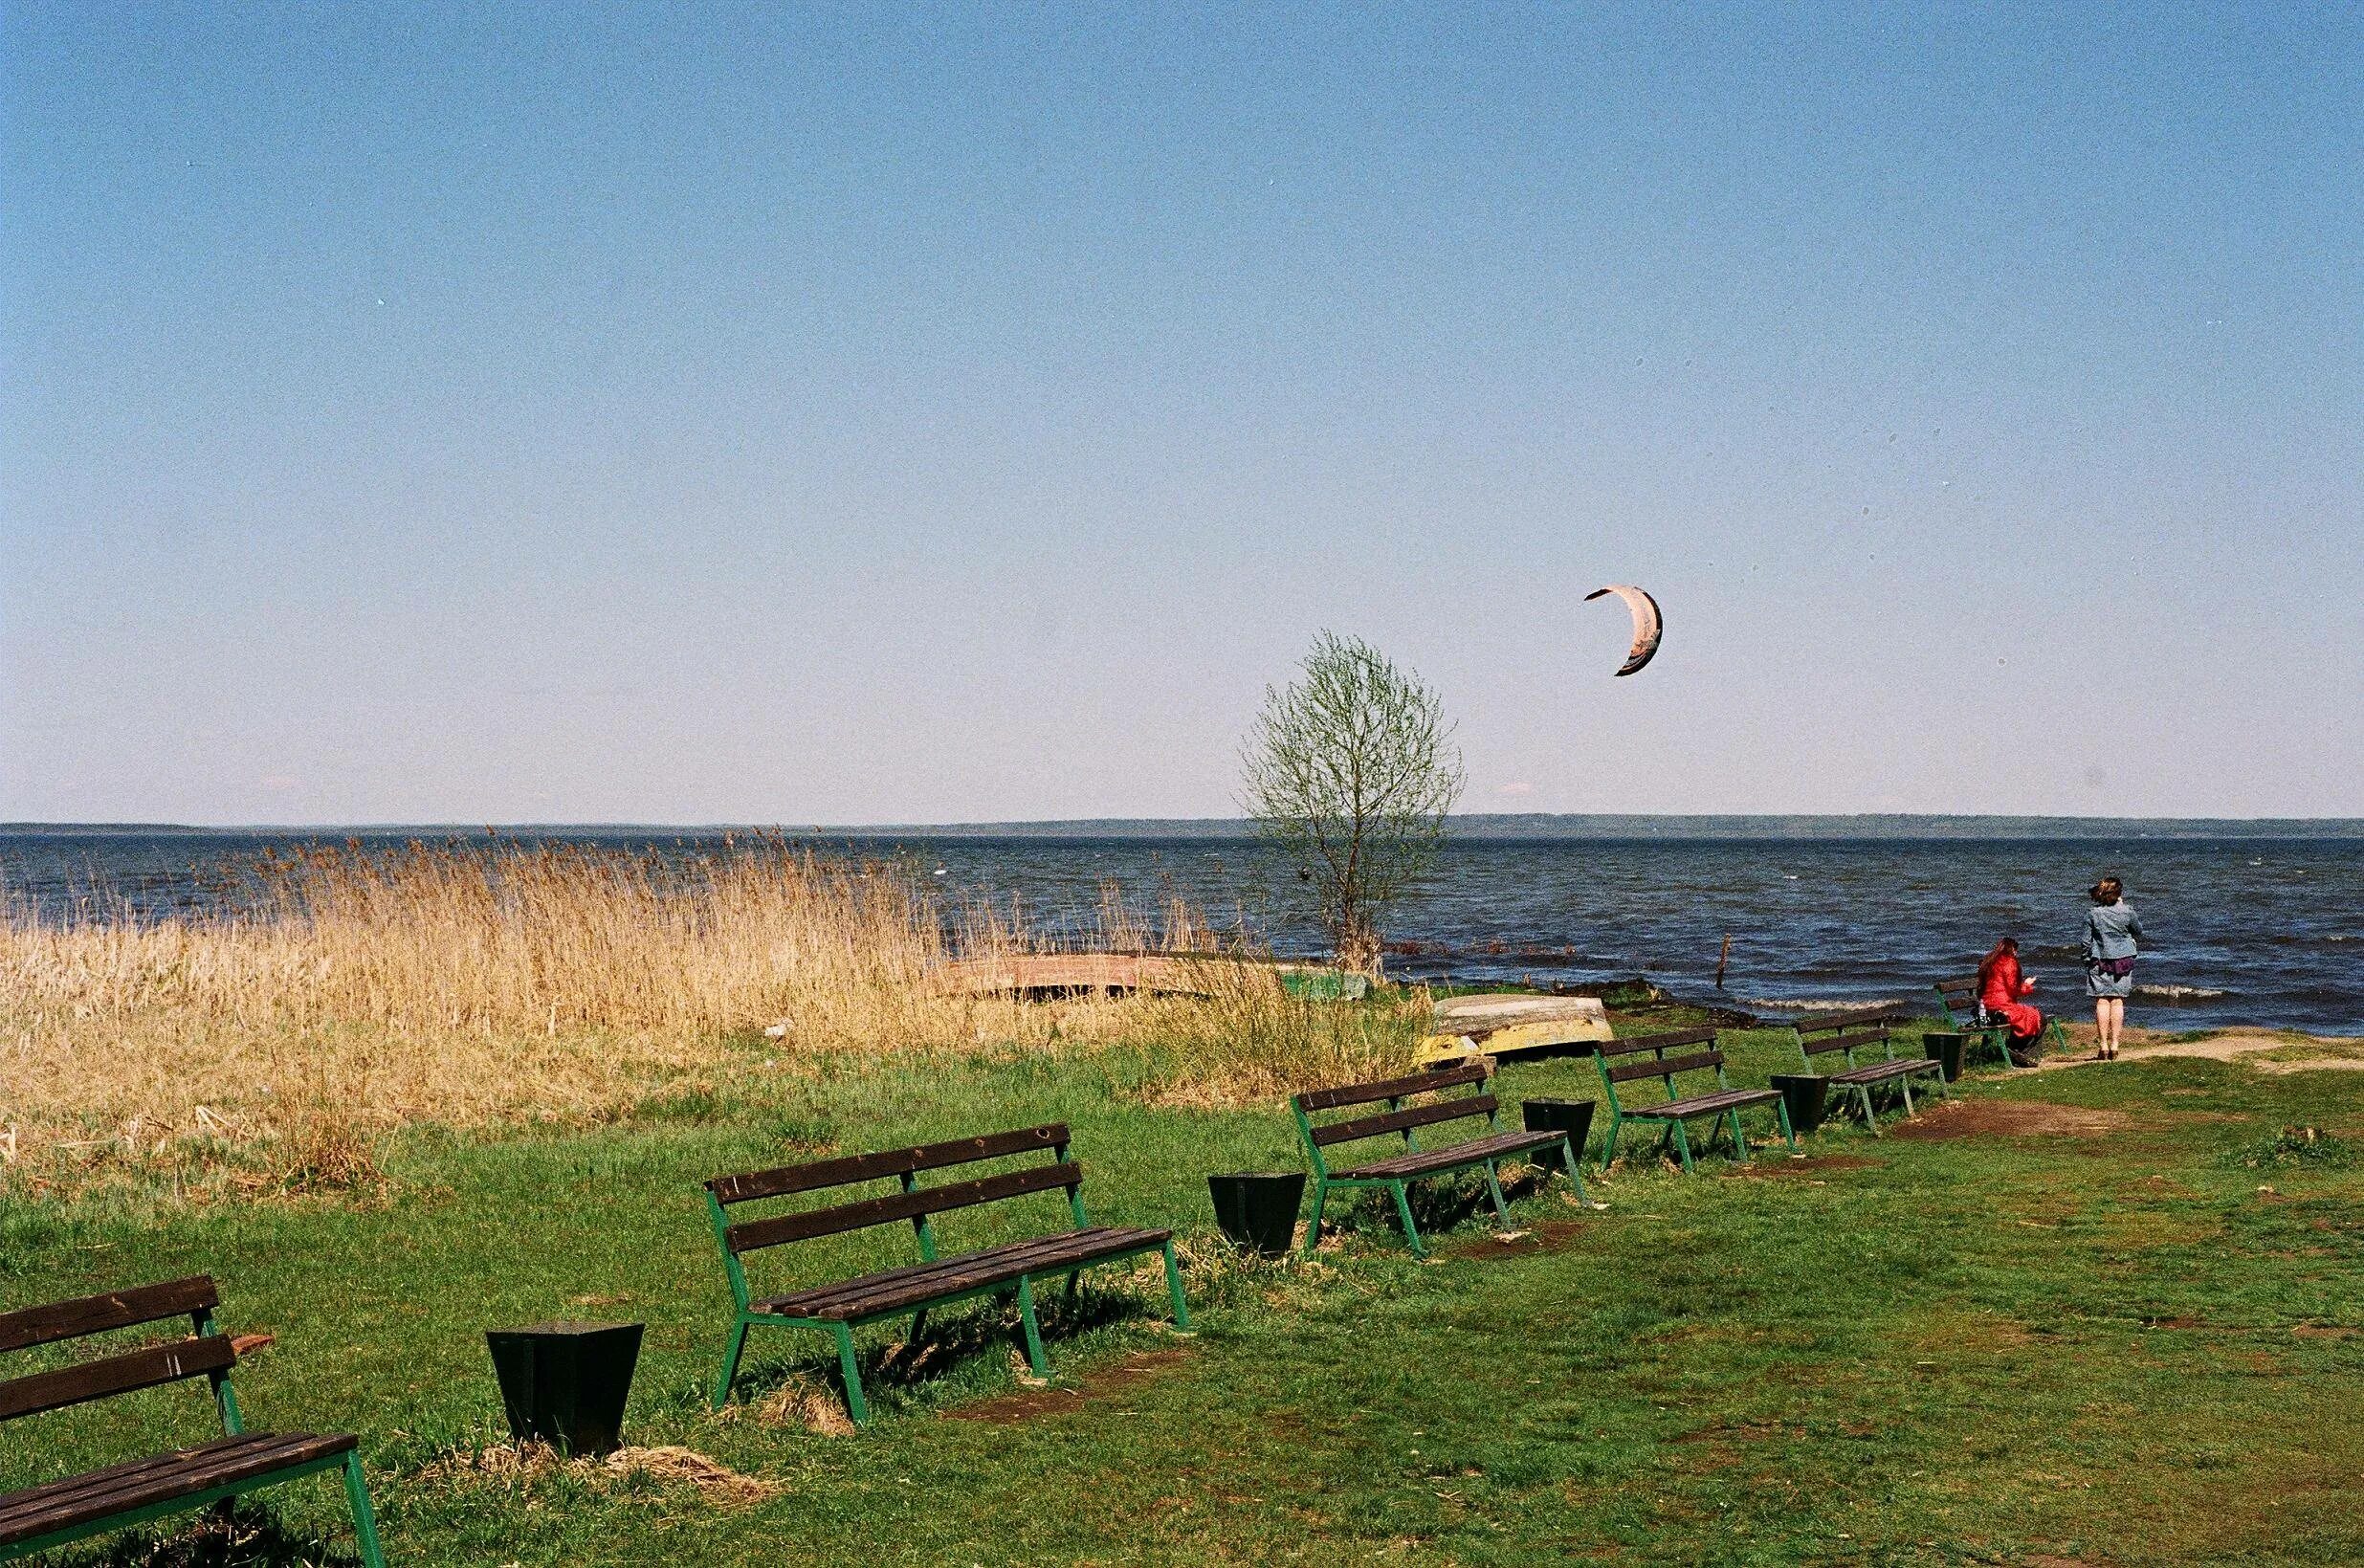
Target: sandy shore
2268, 1050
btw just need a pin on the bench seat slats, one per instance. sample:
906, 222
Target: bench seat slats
1396, 1121
1872, 1072
753, 1234
1700, 1105
1389, 1089
916, 1285
1431, 1162
114, 1374
123, 1489
29, 1326
848, 1169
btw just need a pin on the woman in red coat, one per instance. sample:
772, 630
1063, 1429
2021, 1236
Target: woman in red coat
2002, 991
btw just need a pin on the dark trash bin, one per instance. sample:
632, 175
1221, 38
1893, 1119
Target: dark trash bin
1946, 1050
1810, 1099
565, 1383
1573, 1117
1257, 1211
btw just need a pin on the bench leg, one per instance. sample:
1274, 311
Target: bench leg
734, 1348
1789, 1134
1582, 1197
918, 1324
1608, 1151
1872, 1118
365, 1520
1404, 1212
1074, 1282
851, 1370
1034, 1357
1905, 1085
1313, 1227
1173, 1290
1493, 1190
1682, 1143
1739, 1138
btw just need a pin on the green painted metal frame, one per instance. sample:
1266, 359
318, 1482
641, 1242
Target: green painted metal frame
1996, 1035
1400, 1186
1676, 1134
1862, 1093
744, 1316
225, 1404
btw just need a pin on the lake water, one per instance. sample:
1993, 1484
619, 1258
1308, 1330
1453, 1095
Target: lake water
2239, 930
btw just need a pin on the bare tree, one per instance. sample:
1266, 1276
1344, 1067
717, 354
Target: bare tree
1349, 771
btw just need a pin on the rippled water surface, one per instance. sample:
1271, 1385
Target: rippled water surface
2254, 931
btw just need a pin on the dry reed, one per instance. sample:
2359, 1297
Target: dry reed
353, 991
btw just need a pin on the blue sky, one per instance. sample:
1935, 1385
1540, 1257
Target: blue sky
485, 413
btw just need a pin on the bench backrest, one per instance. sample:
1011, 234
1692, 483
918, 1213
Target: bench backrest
1639, 1056
1959, 998
201, 1353
907, 1200
1398, 1117
1860, 1029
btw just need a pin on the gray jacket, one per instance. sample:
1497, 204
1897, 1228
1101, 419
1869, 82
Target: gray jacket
2110, 932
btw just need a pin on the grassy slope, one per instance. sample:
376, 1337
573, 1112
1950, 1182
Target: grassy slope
1948, 1353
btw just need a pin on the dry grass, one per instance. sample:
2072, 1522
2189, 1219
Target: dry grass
1247, 1042
266, 1049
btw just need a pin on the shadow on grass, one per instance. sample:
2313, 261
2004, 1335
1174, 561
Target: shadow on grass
962, 1332
248, 1535
1438, 1205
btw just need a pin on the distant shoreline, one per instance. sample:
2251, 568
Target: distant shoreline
1473, 825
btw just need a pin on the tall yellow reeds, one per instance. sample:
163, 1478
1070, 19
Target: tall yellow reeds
353, 990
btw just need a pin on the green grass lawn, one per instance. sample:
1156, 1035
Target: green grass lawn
2132, 1337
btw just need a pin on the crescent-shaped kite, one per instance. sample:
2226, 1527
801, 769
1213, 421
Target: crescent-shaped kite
1648, 624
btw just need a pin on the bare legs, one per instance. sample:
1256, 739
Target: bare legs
2109, 1019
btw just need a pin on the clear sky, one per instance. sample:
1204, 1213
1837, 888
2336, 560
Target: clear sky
794, 414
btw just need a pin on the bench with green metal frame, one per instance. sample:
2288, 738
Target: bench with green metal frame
1864, 1030
1415, 1162
1965, 1014
1620, 1063
54, 1513
1010, 1268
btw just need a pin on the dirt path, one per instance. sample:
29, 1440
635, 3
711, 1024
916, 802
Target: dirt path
2295, 1052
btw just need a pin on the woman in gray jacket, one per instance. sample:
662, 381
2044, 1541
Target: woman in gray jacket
2110, 934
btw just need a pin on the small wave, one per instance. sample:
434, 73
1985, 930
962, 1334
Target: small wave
2173, 994
1820, 1004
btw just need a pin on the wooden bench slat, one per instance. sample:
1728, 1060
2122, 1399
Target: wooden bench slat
1665, 1066
60, 1505
1904, 1067
901, 1289
1387, 1089
1396, 1121
753, 1234
1667, 1041
46, 1324
1850, 1018
114, 1374
846, 1169
1697, 1105
1842, 1041
1429, 1162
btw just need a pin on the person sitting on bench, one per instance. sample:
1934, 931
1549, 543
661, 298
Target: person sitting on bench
2002, 991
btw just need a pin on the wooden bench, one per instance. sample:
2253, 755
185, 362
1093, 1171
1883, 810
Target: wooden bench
1397, 1172
1619, 1064
1010, 1268
1863, 1029
38, 1518
1965, 1014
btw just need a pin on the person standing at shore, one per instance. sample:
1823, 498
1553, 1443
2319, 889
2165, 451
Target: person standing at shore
2112, 934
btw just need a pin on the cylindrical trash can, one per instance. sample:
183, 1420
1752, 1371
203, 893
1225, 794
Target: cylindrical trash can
1257, 1211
